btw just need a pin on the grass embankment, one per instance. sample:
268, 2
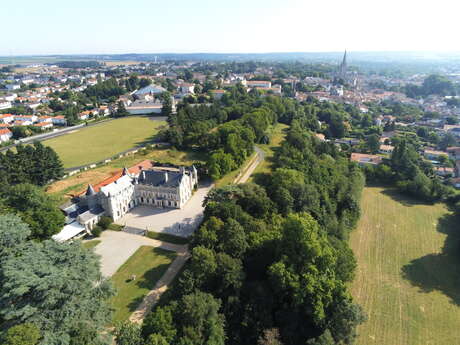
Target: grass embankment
91, 144
148, 264
408, 271
167, 237
91, 244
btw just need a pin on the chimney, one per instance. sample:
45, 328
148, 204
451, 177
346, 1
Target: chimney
166, 176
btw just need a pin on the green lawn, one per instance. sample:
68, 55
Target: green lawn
91, 244
408, 277
148, 264
95, 143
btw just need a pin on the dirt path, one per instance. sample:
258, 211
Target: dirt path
260, 156
160, 287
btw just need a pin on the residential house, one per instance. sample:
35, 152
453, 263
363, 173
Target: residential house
28, 118
388, 149
59, 120
5, 135
43, 125
4, 104
364, 159
433, 154
258, 83
217, 94
6, 118
187, 88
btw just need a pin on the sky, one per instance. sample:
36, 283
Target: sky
32, 27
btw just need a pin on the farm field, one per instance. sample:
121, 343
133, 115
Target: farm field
148, 264
95, 143
408, 273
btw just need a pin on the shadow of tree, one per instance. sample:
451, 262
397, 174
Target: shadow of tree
403, 199
439, 272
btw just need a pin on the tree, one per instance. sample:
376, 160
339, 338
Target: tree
58, 287
270, 337
23, 334
160, 322
166, 99
199, 321
121, 110
36, 209
373, 143
447, 141
13, 234
128, 333
156, 339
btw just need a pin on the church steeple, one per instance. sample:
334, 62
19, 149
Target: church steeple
343, 66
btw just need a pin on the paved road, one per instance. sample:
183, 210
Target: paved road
117, 246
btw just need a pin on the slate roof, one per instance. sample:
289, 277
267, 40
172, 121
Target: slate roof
158, 178
91, 213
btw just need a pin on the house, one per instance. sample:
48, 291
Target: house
59, 120
26, 118
4, 104
5, 135
455, 182
433, 154
217, 94
453, 152
187, 88
12, 86
363, 159
144, 107
388, 149
84, 115
444, 171
45, 119
258, 83
44, 125
142, 184
104, 110
6, 118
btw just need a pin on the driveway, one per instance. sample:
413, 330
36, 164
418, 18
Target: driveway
117, 246
180, 222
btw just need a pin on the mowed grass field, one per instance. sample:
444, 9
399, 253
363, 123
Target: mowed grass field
148, 264
95, 143
408, 277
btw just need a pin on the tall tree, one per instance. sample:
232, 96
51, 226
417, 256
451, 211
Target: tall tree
57, 287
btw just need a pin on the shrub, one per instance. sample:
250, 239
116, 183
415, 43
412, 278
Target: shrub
104, 222
96, 231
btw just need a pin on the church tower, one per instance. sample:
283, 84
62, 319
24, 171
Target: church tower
343, 66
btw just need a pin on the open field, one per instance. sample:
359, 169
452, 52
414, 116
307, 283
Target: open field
104, 140
148, 264
74, 184
408, 271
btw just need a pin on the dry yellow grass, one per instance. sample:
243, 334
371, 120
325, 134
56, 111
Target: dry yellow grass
408, 277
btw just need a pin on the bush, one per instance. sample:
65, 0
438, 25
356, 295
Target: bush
96, 231
105, 222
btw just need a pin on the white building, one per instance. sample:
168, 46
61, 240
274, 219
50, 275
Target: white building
6, 118
5, 135
146, 185
59, 120
5, 104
